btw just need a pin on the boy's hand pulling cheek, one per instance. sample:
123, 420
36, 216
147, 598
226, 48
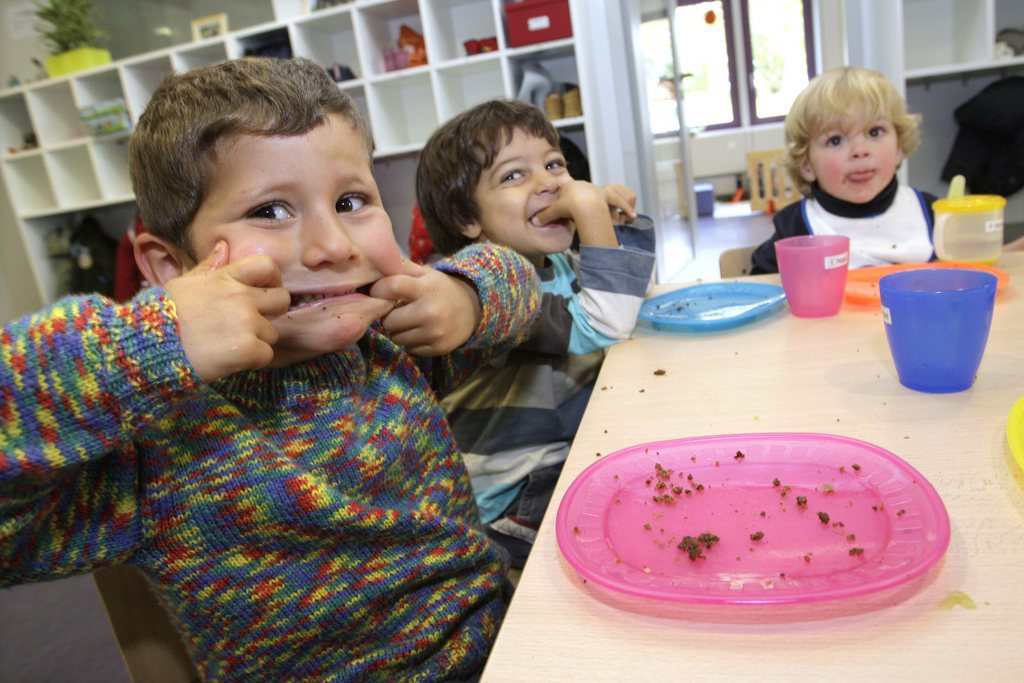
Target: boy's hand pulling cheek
434, 314
224, 310
587, 206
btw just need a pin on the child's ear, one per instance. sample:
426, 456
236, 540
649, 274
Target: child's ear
159, 260
473, 231
806, 171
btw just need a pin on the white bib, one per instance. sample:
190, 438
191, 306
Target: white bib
900, 235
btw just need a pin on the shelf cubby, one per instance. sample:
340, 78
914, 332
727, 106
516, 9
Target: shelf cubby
380, 25
110, 159
557, 58
38, 232
403, 112
28, 183
468, 84
15, 123
262, 42
73, 177
97, 87
54, 113
141, 78
328, 37
450, 23
957, 32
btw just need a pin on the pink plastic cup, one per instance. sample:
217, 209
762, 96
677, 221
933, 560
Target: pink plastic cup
813, 271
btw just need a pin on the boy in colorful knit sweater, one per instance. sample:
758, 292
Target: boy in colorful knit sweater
496, 174
250, 432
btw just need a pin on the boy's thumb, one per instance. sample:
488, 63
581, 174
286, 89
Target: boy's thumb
413, 269
217, 257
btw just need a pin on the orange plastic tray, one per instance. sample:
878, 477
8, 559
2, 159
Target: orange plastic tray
862, 283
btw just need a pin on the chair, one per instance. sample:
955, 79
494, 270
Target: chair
150, 645
736, 262
770, 185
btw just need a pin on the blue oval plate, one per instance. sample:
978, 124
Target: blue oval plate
712, 306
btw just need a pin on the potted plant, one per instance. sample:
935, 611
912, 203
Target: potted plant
69, 33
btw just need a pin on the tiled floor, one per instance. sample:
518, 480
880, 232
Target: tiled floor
733, 225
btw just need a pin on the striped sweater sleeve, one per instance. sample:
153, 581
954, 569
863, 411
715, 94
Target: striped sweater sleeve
592, 302
612, 287
77, 380
509, 292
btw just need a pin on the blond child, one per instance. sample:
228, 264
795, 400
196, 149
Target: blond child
846, 135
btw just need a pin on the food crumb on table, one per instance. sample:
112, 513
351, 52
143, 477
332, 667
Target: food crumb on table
957, 599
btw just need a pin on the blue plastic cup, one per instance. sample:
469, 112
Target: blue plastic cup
937, 321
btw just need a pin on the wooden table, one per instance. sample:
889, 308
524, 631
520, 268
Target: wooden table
783, 374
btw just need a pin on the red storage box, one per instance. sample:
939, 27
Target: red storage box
535, 21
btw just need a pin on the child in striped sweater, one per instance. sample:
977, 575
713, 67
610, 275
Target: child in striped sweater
251, 432
495, 174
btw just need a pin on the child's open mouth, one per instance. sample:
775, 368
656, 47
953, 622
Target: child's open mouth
536, 222
308, 299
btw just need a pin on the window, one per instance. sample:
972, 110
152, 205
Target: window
735, 73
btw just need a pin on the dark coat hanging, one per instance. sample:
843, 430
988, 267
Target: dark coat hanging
989, 148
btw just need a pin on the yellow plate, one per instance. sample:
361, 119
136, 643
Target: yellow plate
1015, 431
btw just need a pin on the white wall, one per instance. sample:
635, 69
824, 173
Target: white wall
20, 41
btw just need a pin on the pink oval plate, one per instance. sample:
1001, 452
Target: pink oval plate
798, 517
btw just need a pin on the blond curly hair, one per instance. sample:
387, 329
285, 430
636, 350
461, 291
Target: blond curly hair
827, 102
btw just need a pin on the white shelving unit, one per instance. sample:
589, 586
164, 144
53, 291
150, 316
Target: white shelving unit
70, 172
941, 53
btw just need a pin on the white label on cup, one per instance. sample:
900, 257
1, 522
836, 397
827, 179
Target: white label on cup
994, 225
886, 316
837, 261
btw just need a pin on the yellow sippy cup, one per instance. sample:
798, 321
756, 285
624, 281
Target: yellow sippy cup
968, 228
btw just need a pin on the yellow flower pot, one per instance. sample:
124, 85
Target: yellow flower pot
79, 59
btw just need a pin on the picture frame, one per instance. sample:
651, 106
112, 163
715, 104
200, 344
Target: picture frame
211, 26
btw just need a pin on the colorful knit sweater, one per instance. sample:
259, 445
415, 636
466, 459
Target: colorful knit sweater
310, 523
